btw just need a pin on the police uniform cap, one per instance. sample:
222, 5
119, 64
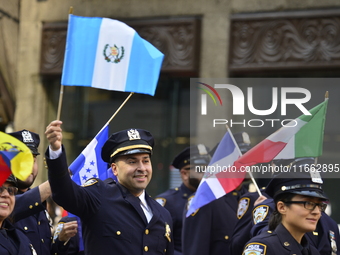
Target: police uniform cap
126, 142
30, 139
193, 155
243, 141
12, 179
297, 162
300, 183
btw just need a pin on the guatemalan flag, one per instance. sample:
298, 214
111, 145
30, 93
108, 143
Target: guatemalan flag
89, 163
108, 54
221, 177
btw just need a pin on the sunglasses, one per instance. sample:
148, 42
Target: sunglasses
309, 205
10, 189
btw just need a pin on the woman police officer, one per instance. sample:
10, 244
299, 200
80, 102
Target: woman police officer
299, 201
12, 240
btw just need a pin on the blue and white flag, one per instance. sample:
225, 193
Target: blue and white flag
108, 54
89, 163
220, 177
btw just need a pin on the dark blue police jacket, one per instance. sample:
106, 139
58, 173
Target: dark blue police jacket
174, 200
241, 233
278, 242
113, 221
30, 216
208, 231
13, 241
325, 238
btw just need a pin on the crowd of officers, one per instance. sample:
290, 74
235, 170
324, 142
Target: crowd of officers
119, 217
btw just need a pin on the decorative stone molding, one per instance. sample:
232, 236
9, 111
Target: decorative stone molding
177, 38
285, 41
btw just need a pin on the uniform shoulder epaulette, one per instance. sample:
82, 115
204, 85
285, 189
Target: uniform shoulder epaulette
90, 182
109, 181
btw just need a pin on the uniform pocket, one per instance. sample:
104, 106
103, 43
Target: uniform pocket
118, 232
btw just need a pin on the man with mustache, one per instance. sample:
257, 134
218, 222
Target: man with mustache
117, 217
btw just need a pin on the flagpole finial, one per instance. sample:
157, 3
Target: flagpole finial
71, 10
326, 95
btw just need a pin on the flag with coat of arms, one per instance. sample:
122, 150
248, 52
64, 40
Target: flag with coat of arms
108, 54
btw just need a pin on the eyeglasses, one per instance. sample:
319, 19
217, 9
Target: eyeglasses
10, 189
309, 205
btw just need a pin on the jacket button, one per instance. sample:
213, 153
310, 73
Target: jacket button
146, 231
36, 203
146, 248
31, 206
226, 237
118, 233
26, 228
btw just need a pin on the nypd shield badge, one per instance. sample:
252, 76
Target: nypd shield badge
161, 201
255, 249
243, 205
259, 213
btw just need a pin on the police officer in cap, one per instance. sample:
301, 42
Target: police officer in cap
117, 217
299, 201
208, 231
12, 240
326, 236
30, 212
174, 200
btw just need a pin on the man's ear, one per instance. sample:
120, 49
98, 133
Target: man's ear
281, 207
114, 169
184, 174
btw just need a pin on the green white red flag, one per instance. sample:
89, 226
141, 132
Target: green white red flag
302, 137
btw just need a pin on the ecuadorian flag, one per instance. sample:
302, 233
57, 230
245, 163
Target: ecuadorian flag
108, 54
15, 157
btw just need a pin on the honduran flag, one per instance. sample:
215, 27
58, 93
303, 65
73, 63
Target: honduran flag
15, 157
302, 137
220, 177
89, 164
108, 54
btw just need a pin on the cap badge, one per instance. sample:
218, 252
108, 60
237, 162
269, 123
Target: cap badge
316, 177
133, 134
27, 137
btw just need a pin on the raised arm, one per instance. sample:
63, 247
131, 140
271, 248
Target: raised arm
65, 192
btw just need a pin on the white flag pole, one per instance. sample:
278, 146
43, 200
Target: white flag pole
239, 151
114, 115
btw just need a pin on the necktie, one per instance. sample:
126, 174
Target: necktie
147, 211
304, 251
